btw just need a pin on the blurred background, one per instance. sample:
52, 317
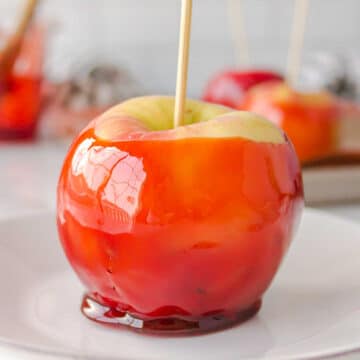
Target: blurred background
69, 60
143, 36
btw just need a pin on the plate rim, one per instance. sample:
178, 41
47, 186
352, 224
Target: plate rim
75, 354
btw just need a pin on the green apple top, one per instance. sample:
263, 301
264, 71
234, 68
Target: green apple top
151, 118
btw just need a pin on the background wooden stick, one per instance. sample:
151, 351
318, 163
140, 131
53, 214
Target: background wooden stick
12, 49
297, 41
238, 33
183, 62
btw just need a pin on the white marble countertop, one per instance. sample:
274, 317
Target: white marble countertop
28, 177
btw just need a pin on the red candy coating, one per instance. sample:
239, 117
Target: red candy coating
182, 229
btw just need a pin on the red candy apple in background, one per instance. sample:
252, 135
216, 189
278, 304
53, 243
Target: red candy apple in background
311, 120
229, 87
177, 229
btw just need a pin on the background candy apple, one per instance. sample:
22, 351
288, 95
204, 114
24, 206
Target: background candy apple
309, 119
177, 228
229, 87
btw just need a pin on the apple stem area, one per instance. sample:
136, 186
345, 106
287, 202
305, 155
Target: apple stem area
183, 63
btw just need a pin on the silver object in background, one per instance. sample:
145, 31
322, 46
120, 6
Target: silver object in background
337, 73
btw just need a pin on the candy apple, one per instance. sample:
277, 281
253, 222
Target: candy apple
177, 229
309, 119
229, 87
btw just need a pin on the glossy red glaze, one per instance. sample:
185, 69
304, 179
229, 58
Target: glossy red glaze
182, 229
20, 97
228, 88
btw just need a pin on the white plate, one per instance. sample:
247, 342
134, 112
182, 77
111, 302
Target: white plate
311, 311
330, 184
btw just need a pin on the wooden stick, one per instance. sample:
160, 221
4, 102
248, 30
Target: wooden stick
297, 41
11, 51
183, 63
238, 33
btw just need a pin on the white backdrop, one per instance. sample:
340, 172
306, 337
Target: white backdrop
142, 35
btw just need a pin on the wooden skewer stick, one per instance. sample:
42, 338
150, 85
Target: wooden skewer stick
238, 33
183, 63
12, 48
297, 40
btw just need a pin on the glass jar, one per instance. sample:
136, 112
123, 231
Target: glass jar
20, 95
